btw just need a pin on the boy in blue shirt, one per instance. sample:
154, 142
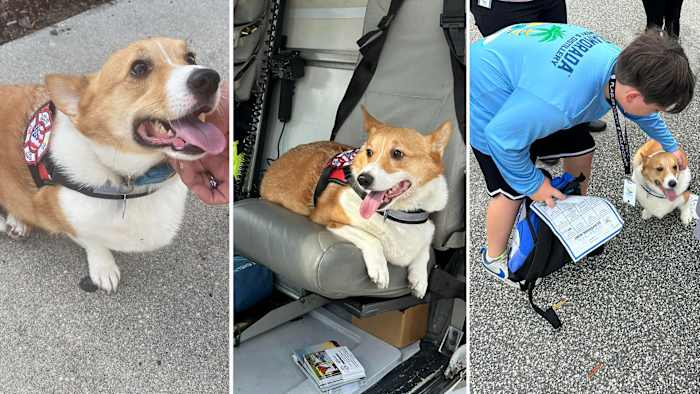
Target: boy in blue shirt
533, 85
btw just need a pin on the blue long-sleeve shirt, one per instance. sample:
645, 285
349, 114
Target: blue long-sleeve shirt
528, 81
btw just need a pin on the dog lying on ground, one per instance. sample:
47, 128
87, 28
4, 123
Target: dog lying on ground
661, 185
378, 197
85, 155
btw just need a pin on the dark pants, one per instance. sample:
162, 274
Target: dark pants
664, 14
503, 14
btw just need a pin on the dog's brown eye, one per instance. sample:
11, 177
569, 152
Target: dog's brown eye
369, 153
659, 169
675, 167
397, 154
139, 69
191, 58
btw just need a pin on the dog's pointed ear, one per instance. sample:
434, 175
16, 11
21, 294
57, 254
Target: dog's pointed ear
65, 91
441, 137
370, 123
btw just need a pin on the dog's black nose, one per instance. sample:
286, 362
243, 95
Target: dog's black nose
365, 180
203, 82
672, 183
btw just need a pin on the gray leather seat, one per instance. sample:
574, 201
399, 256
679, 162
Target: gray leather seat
305, 254
412, 87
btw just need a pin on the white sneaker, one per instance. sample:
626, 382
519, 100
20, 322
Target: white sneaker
498, 268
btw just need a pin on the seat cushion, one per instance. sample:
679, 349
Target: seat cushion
305, 254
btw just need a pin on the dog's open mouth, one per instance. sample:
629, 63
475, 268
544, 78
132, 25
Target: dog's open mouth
378, 199
670, 193
187, 135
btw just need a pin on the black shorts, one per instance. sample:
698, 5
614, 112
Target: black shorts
576, 141
503, 13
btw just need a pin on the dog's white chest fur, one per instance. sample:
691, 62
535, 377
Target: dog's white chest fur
385, 241
660, 207
143, 224
146, 223
401, 242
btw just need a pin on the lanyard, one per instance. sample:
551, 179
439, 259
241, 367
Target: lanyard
621, 136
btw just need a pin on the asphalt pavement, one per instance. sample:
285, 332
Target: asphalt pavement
166, 329
631, 315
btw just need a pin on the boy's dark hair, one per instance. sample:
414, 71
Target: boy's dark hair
656, 65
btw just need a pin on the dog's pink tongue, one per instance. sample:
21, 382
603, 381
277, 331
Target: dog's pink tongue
670, 194
370, 204
203, 135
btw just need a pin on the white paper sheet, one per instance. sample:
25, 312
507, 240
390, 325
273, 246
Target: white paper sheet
582, 223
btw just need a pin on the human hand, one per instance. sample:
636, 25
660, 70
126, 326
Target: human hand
198, 174
682, 158
548, 194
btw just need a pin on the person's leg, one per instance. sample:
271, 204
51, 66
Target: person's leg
580, 165
574, 145
502, 14
654, 10
500, 218
672, 17
553, 11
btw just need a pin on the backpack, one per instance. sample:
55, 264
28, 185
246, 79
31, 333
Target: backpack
535, 251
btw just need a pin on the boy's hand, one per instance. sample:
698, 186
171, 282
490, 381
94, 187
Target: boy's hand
548, 194
682, 158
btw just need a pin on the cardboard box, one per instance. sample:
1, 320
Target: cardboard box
398, 328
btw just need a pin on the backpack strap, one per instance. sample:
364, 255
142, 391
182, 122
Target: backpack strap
371, 45
539, 262
453, 22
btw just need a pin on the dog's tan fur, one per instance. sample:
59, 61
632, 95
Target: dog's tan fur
18, 193
291, 180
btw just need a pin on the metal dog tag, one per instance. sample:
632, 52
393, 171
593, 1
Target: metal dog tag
629, 192
485, 3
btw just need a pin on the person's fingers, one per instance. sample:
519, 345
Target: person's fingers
195, 174
558, 194
549, 201
217, 165
684, 160
211, 196
191, 172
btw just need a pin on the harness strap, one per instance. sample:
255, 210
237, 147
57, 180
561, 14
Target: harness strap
371, 45
453, 22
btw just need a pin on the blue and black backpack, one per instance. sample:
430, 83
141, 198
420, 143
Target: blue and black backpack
535, 251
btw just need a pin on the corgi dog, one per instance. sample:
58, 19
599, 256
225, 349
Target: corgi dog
378, 196
661, 185
86, 155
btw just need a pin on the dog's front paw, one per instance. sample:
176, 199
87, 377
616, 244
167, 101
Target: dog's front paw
105, 276
686, 217
378, 271
15, 228
418, 283
645, 214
